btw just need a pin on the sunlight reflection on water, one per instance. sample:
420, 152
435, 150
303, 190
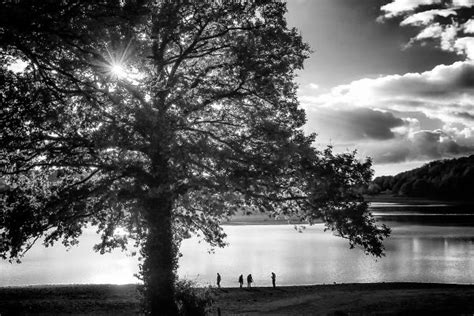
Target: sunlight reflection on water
415, 253
434, 254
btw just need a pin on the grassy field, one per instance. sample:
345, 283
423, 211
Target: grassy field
70, 300
340, 299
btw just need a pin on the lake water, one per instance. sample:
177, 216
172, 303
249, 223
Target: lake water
426, 245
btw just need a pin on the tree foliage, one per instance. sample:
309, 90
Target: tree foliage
441, 179
163, 118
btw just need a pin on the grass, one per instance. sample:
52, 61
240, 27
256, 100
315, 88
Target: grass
70, 299
340, 299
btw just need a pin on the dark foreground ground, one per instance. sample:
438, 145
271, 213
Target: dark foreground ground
341, 299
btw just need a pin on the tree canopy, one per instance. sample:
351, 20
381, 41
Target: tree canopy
451, 179
163, 118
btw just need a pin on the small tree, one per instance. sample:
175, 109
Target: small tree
163, 118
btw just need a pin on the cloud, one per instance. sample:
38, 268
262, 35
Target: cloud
449, 23
465, 115
421, 120
398, 7
463, 3
465, 45
425, 17
353, 124
422, 145
438, 93
469, 26
397, 118
417, 116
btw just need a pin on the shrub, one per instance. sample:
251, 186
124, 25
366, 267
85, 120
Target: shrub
192, 300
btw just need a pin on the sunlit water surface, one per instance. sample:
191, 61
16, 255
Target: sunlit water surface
417, 253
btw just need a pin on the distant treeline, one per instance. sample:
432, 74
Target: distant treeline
441, 179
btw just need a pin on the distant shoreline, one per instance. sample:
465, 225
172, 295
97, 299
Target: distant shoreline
339, 299
264, 219
390, 198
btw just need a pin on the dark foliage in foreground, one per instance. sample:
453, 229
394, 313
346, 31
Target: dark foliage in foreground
443, 179
162, 118
192, 300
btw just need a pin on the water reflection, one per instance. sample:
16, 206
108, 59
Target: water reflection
415, 253
79, 265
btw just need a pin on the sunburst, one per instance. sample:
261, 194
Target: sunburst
114, 64
118, 71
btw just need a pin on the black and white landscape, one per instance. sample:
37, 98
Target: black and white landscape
236, 157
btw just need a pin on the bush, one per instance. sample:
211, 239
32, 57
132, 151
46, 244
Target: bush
192, 300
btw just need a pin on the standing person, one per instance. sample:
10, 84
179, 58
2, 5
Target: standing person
274, 279
241, 280
249, 280
219, 280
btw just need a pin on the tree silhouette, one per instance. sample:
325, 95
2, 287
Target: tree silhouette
441, 179
162, 118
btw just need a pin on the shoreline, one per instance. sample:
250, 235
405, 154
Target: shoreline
387, 298
377, 204
295, 286
397, 298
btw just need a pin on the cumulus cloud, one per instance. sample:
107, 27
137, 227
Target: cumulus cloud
416, 116
425, 17
463, 3
422, 145
354, 124
396, 118
469, 26
465, 45
438, 93
465, 115
450, 22
398, 7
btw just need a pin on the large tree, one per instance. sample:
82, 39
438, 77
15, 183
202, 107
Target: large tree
163, 118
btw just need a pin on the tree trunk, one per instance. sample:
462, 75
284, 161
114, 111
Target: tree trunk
159, 258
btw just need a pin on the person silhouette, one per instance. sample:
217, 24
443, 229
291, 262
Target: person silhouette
241, 280
219, 280
274, 279
249, 280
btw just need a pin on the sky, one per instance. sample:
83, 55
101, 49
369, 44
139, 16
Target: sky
393, 79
